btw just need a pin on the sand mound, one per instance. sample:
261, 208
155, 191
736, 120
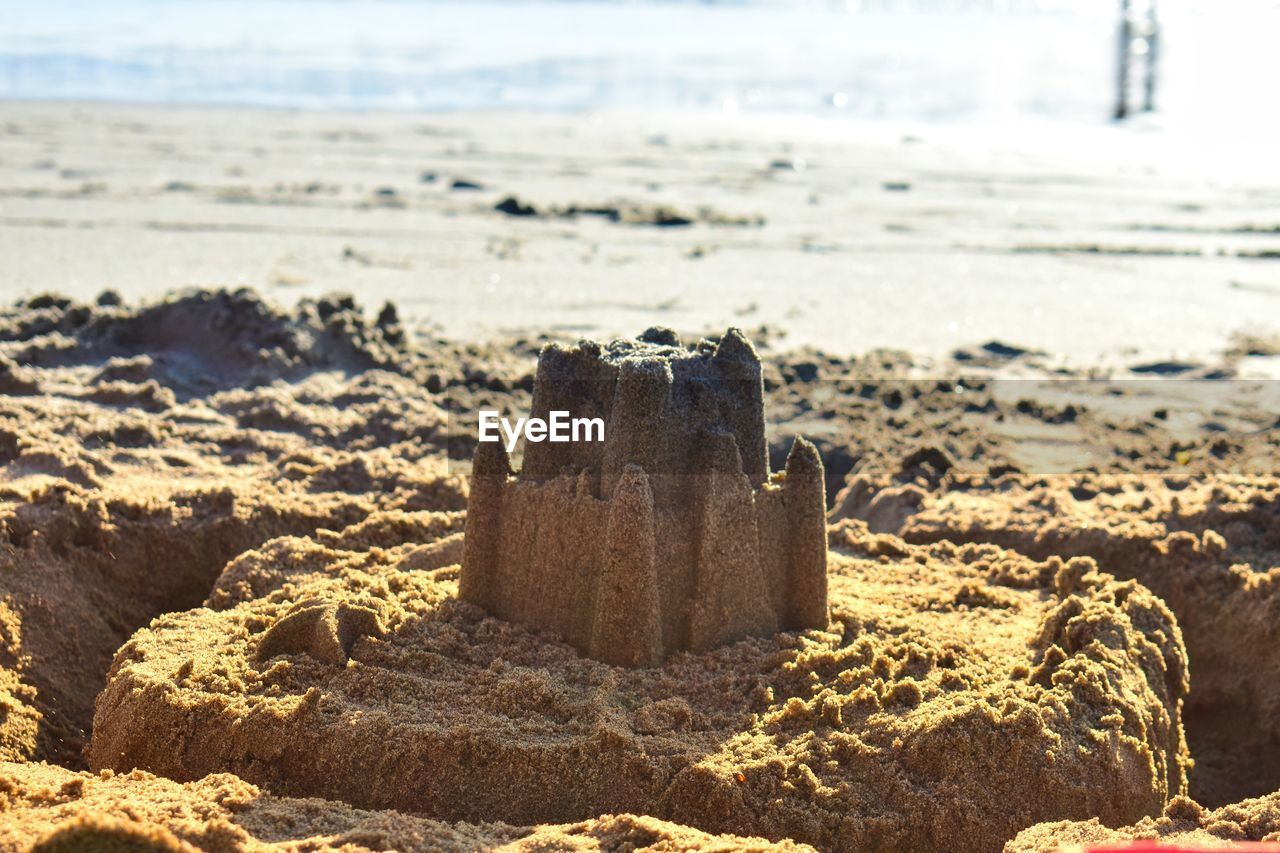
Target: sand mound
123, 495
52, 810
961, 693
203, 340
1183, 822
198, 344
1210, 549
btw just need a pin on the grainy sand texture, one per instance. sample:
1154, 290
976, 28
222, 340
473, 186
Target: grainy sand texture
845, 236
1025, 690
1183, 822
54, 810
1209, 549
265, 500
962, 536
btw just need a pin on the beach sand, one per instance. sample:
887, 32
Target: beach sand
943, 670
231, 525
52, 809
846, 236
1184, 822
1209, 549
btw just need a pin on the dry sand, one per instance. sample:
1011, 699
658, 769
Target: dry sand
257, 512
53, 810
959, 692
1183, 822
1210, 549
146, 451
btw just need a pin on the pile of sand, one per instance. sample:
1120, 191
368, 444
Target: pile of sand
961, 692
1183, 822
52, 810
1209, 548
142, 451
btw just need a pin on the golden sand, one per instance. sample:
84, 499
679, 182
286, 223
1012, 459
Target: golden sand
1209, 548
52, 810
230, 543
964, 692
1183, 822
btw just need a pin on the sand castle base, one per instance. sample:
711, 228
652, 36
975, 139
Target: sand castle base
959, 694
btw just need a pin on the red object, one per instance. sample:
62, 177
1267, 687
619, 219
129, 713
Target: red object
1158, 847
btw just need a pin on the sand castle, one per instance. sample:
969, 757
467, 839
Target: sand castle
670, 534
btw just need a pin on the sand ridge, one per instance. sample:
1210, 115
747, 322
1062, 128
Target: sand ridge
52, 810
1209, 547
1183, 822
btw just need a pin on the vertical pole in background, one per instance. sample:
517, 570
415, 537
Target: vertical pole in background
1153, 58
1124, 49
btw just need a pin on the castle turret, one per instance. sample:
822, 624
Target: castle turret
627, 625
489, 472
730, 600
804, 495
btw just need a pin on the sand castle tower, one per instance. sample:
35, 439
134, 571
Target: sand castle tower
668, 535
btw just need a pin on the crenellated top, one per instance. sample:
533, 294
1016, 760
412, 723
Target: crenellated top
657, 398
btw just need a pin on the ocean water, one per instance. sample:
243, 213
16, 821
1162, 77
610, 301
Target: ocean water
952, 61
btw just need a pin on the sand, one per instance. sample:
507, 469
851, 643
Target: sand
959, 692
1101, 250
142, 450
259, 513
1209, 548
148, 450
702, 545
1183, 822
52, 810
215, 509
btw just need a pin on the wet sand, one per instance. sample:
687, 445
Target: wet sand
1101, 248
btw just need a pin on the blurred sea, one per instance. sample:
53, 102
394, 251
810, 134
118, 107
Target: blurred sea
948, 61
